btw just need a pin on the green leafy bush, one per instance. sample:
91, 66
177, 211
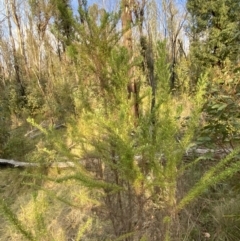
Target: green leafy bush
222, 118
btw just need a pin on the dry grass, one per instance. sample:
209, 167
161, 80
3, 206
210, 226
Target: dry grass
54, 212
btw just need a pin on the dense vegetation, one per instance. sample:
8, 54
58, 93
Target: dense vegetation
130, 112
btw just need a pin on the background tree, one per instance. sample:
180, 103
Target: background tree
127, 7
16, 60
175, 16
63, 20
214, 32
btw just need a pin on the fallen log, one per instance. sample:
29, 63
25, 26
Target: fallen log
13, 163
194, 152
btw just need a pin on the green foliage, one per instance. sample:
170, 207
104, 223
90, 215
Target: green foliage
224, 169
83, 229
64, 21
4, 123
13, 99
56, 212
106, 134
214, 32
6, 211
227, 216
16, 146
222, 124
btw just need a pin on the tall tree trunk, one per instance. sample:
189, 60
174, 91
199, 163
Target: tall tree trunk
17, 20
15, 57
127, 9
146, 43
